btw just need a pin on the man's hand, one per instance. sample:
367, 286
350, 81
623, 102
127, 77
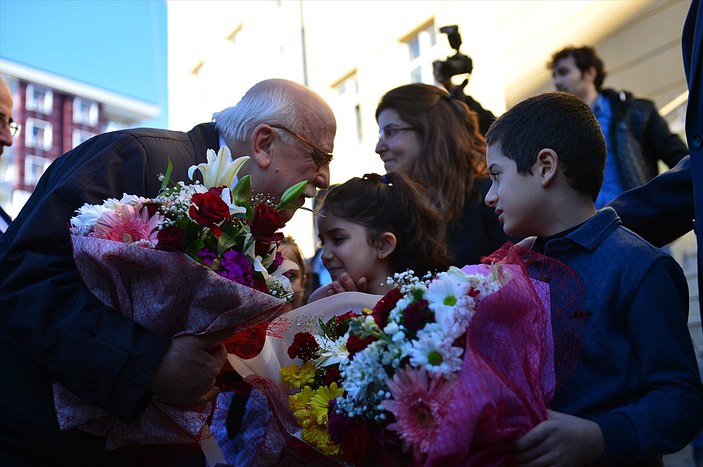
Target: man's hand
562, 440
343, 284
186, 375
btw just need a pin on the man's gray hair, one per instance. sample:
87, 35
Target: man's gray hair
270, 104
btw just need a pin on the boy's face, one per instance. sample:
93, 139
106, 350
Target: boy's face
514, 196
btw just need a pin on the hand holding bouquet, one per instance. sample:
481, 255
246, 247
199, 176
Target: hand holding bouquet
199, 258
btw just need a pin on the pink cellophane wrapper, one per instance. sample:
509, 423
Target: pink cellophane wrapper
170, 294
501, 392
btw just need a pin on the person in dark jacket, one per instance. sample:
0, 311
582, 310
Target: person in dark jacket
54, 330
636, 136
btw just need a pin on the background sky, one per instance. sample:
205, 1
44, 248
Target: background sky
117, 45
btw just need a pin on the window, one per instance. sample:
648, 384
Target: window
80, 136
38, 134
39, 99
421, 45
85, 112
34, 167
348, 90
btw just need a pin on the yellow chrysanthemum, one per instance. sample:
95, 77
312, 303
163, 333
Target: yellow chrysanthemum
298, 376
300, 400
319, 437
367, 311
320, 401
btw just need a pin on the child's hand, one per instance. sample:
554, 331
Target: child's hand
343, 284
562, 440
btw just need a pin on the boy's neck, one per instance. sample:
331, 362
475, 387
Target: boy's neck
568, 212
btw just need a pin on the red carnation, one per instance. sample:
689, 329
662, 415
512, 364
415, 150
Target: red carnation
416, 315
208, 209
304, 347
384, 306
332, 375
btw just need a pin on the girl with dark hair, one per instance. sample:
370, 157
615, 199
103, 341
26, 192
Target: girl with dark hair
375, 226
434, 139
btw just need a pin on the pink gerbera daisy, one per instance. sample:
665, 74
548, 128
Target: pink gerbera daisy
418, 404
128, 225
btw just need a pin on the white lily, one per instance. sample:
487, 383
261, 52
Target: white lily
233, 208
220, 169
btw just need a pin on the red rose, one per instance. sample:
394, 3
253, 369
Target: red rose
208, 209
171, 238
384, 306
266, 221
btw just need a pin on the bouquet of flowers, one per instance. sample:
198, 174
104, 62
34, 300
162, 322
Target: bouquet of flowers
198, 258
443, 369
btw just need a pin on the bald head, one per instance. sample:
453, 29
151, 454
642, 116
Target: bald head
5, 115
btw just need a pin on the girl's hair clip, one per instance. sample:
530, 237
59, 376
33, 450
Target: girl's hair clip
384, 180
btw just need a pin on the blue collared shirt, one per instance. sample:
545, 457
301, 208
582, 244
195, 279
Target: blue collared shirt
612, 186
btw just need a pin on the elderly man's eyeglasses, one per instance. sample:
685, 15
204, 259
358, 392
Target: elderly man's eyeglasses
319, 157
389, 132
12, 125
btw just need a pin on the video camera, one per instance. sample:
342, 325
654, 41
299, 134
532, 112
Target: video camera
460, 64
457, 64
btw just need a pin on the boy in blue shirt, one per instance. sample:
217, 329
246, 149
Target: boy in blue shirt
635, 392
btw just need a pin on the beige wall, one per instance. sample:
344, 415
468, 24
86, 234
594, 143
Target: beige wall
509, 42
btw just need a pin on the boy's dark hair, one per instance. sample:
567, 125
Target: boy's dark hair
585, 57
559, 121
393, 203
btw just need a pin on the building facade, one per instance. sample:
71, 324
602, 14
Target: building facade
56, 115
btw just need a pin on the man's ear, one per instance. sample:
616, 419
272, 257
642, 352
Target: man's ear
386, 244
262, 139
546, 166
590, 74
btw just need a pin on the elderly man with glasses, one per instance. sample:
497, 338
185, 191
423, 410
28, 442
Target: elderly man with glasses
54, 330
8, 129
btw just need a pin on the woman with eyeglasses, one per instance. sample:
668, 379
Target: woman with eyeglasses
434, 139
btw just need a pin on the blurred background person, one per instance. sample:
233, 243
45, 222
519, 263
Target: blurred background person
636, 136
8, 130
291, 251
434, 139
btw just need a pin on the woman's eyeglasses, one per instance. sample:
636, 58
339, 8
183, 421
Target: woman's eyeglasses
389, 132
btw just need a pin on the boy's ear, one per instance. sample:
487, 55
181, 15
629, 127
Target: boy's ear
386, 244
546, 165
590, 73
261, 142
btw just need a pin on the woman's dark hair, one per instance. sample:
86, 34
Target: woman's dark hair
453, 149
392, 203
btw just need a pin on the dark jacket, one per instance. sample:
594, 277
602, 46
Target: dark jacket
639, 138
52, 328
637, 375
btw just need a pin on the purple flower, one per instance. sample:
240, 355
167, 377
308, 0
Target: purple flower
237, 267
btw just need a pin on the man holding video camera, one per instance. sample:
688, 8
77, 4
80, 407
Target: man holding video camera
459, 64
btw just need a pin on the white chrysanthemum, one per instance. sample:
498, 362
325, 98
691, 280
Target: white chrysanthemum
87, 216
443, 295
433, 352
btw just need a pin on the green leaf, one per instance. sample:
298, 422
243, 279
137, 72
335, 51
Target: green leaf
242, 191
167, 176
225, 242
290, 195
